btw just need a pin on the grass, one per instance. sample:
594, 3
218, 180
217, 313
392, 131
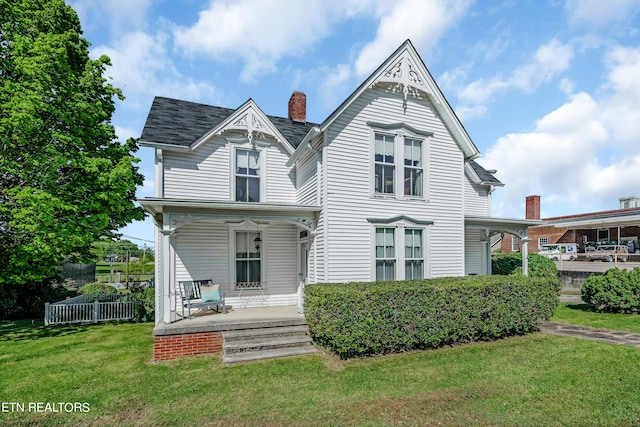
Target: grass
584, 314
530, 380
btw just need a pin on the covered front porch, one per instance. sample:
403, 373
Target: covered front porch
257, 253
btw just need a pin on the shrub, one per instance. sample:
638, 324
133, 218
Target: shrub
616, 291
91, 289
359, 319
539, 266
27, 300
145, 304
100, 292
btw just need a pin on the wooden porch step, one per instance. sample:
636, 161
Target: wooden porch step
265, 343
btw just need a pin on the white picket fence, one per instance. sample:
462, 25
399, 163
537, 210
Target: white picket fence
78, 310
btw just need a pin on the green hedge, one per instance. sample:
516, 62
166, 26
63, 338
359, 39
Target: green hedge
616, 291
539, 266
360, 319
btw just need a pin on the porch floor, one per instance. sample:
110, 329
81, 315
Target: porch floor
240, 318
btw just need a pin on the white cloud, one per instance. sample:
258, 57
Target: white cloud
583, 154
259, 32
596, 14
549, 60
557, 159
143, 67
621, 110
119, 14
422, 21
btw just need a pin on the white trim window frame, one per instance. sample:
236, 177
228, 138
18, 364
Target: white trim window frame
385, 254
399, 161
384, 160
542, 241
253, 279
413, 168
413, 253
515, 244
251, 170
410, 250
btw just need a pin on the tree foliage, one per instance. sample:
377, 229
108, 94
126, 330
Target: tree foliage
65, 180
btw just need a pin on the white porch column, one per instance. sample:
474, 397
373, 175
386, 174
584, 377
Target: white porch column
525, 255
165, 285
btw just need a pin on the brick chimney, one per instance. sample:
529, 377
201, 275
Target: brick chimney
298, 107
532, 207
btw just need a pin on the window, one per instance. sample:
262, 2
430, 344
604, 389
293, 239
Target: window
385, 254
515, 244
542, 241
248, 260
412, 167
603, 235
413, 254
247, 176
385, 168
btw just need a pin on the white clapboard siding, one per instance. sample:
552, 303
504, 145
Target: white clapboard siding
206, 174
282, 260
350, 202
476, 199
202, 252
202, 174
306, 175
473, 261
280, 181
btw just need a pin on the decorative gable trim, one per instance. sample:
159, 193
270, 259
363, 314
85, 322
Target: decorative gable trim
247, 118
404, 71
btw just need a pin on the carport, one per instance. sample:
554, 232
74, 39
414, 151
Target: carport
618, 226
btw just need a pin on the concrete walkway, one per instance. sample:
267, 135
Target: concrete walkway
584, 332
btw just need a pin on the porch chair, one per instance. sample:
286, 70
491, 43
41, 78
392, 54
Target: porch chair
201, 294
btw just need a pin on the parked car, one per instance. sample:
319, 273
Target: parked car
609, 253
559, 251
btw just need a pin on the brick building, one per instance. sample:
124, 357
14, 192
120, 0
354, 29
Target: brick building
614, 226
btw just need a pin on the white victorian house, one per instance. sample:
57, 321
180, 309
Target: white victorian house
385, 188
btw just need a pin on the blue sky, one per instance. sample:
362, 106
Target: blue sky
549, 90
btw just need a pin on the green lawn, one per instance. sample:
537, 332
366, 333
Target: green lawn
531, 380
584, 314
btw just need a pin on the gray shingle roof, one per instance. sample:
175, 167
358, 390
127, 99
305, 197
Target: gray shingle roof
485, 176
181, 123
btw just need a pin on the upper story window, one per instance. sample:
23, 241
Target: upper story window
412, 167
385, 167
247, 176
400, 160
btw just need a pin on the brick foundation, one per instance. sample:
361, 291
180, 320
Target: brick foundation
167, 347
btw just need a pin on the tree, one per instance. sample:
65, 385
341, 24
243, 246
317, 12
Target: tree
65, 180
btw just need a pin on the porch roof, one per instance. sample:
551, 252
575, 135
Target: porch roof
184, 210
492, 225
